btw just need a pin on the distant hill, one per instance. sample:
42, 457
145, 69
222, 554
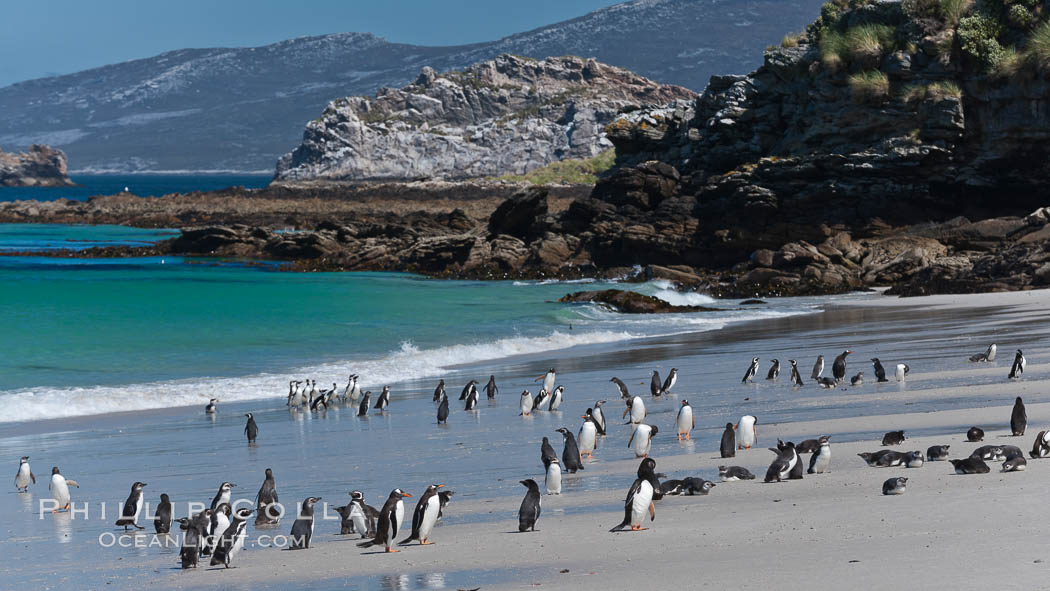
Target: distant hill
240, 109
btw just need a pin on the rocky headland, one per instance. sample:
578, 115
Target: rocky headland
40, 166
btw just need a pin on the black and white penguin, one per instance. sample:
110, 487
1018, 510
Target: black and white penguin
747, 432
818, 367
838, 367
642, 438
1015, 464
888, 458
220, 520
1041, 445
384, 399
390, 518
915, 459
491, 389
223, 496
902, 371
552, 480
894, 486
526, 403
696, 486
439, 391
599, 416
1018, 418
472, 400
543, 398
937, 453
807, 446
570, 455
547, 453
656, 385
880, 373
893, 438
820, 461
588, 435
231, 540
557, 397
529, 512
211, 408
670, 488
827, 383
1018, 367
672, 379
189, 554
201, 524
362, 515
636, 408
293, 394
129, 515
988, 355
425, 516
362, 409
797, 468
728, 445
796, 378
993, 453
857, 380
444, 498
59, 488
734, 473
774, 370
752, 369
471, 385
685, 422
783, 466
251, 430
622, 387
442, 414
974, 434
24, 475
548, 379
267, 511
321, 401
640, 497
872, 458
163, 519
970, 465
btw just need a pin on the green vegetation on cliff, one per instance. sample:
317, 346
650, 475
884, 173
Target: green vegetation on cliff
572, 171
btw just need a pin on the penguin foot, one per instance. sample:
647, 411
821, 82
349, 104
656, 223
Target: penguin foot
392, 550
426, 542
638, 528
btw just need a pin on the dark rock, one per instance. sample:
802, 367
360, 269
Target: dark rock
517, 215
629, 302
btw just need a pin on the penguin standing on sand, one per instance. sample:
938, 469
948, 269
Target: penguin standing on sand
988, 355
728, 446
266, 501
685, 421
390, 518
526, 403
622, 387
362, 515
443, 410
251, 430
384, 399
189, 554
24, 475
223, 495
1018, 367
820, 461
1041, 445
439, 391
796, 378
656, 385
880, 373
894, 486
588, 435
818, 367
636, 408
553, 478
838, 367
220, 520
491, 389
362, 409
466, 389
1018, 418
162, 520
643, 434
529, 512
425, 516
640, 497
132, 507
231, 540
774, 370
672, 379
752, 369
547, 453
570, 455
59, 488
747, 434
599, 417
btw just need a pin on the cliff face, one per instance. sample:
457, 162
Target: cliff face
41, 166
505, 116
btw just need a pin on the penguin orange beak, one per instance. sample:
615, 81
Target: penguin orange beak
406, 495
583, 416
440, 485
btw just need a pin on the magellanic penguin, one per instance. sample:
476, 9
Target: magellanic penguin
384, 399
444, 498
557, 397
439, 391
1018, 418
570, 455
785, 462
894, 486
251, 430
425, 516
621, 387
656, 385
267, 511
362, 515
472, 400
774, 370
828, 383
223, 495
734, 473
351, 383
974, 434
24, 475
747, 433
1015, 464
390, 518
599, 416
59, 488
466, 389
685, 422
639, 499
752, 369
902, 370
728, 445
1018, 367
970, 465
491, 389
163, 519
636, 408
672, 379
552, 481
893, 438
548, 380
838, 367
442, 414
820, 461
936, 453
526, 403
293, 394
642, 438
880, 372
547, 452
818, 367
220, 520
355, 392
988, 355
1041, 445
588, 435
231, 540
201, 524
696, 486
129, 515
362, 409
857, 380
211, 408
543, 398
529, 512
796, 378
191, 542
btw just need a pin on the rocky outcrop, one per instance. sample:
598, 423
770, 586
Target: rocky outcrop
629, 302
40, 166
506, 116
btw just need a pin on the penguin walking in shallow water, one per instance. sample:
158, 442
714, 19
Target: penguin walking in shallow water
526, 403
728, 446
656, 385
362, 409
384, 399
747, 433
599, 416
622, 387
472, 400
548, 379
838, 367
685, 421
266, 501
223, 495
162, 520
425, 516
390, 518
640, 497
857, 380
543, 398
211, 408
1018, 367
880, 373
231, 540
466, 389
129, 515
988, 355
774, 370
820, 461
752, 369
570, 455
439, 391
442, 415
642, 439
796, 378
251, 430
818, 367
59, 488
557, 396
1018, 418
529, 512
491, 389
902, 370
636, 408
553, 478
588, 435
672, 379
24, 475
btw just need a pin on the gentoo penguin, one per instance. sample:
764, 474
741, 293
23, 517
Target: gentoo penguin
894, 486
557, 396
472, 400
752, 369
547, 453
937, 453
672, 379
818, 367
1041, 445
988, 355
915, 459
893, 438
857, 380
444, 497
129, 515
220, 520
570, 455
526, 403
251, 429
491, 389
1018, 418
974, 434
162, 520
543, 398
1018, 367
599, 416
640, 497
390, 518
734, 473
191, 543
362, 409
902, 370
210, 409
266, 500
796, 378
656, 385
827, 383
59, 488
728, 446
622, 387
231, 540
685, 422
553, 479
588, 435
820, 461
439, 391
24, 475
747, 434
425, 516
384, 399
1015, 464
466, 389
636, 408
838, 367
880, 373
642, 438
548, 380
774, 370
529, 512
443, 410
223, 495
970, 465
696, 486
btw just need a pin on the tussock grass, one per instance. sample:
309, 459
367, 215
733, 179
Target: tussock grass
871, 86
571, 171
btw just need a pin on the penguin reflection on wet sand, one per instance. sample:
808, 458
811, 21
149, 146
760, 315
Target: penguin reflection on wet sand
640, 498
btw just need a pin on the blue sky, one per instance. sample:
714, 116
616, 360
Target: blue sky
47, 37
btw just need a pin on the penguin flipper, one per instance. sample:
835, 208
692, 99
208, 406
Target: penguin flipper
72, 483
33, 477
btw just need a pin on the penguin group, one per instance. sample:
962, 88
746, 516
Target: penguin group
304, 394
